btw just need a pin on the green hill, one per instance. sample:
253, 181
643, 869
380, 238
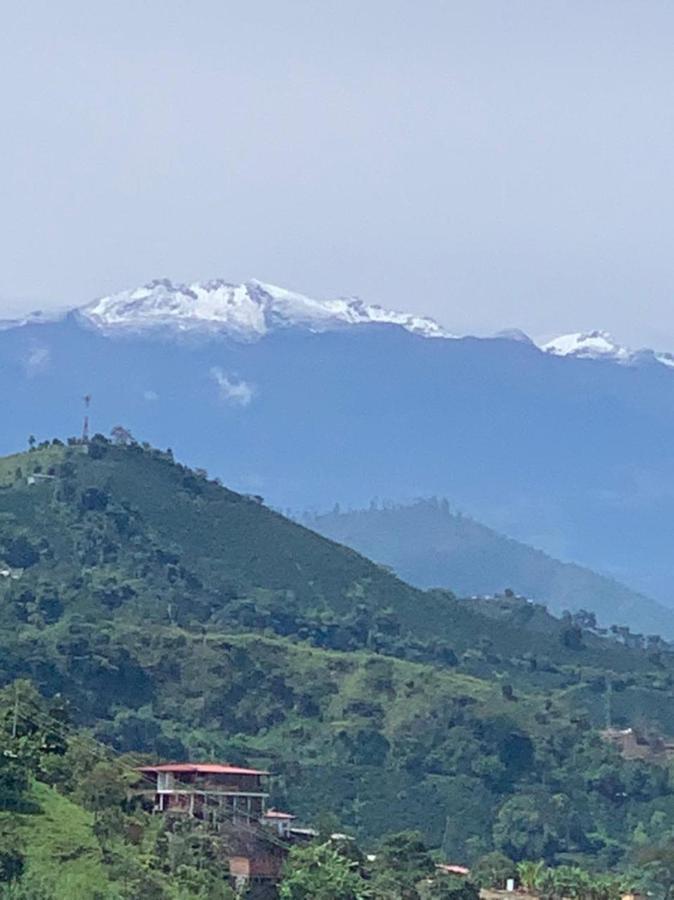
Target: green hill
123, 533
60, 849
180, 619
428, 545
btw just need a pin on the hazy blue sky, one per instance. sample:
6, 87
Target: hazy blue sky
490, 163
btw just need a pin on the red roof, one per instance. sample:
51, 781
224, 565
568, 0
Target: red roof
202, 769
452, 869
276, 814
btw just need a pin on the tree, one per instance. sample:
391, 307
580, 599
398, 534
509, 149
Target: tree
31, 442
493, 870
530, 874
402, 862
14, 782
572, 637
103, 786
405, 852
584, 619
18, 551
658, 863
568, 882
11, 855
97, 448
319, 872
447, 887
521, 830
121, 435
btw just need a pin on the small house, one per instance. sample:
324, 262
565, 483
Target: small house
209, 791
281, 821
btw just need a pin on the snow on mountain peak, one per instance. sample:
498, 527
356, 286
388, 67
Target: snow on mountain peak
589, 345
249, 311
600, 345
245, 311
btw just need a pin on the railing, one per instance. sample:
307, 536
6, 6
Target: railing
216, 792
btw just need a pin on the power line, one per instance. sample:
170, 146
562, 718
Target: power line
105, 753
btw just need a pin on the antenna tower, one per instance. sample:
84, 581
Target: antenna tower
85, 426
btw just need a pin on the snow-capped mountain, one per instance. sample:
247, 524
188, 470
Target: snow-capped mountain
601, 345
249, 311
590, 345
245, 311
253, 309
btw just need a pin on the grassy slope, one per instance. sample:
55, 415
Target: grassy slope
60, 849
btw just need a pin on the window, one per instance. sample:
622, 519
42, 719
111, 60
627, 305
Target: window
165, 781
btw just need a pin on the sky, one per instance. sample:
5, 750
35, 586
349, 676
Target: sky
493, 164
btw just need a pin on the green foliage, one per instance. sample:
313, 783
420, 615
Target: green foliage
12, 855
402, 862
181, 619
447, 887
319, 872
571, 883
14, 782
493, 870
531, 874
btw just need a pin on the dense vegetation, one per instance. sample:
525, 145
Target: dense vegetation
166, 615
428, 544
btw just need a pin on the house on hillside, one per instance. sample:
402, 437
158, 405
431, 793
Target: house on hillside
232, 801
633, 744
209, 791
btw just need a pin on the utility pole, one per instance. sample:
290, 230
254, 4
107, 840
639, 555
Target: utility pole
15, 717
85, 426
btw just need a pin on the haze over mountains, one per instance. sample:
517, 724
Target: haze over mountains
312, 402
429, 545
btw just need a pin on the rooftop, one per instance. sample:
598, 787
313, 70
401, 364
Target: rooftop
201, 769
277, 814
452, 869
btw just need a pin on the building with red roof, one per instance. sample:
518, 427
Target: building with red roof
212, 791
232, 801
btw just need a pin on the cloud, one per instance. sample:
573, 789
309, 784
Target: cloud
150, 395
37, 360
232, 389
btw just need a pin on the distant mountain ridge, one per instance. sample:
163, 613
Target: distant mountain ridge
428, 545
246, 311
253, 309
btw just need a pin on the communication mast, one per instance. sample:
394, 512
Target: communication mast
85, 426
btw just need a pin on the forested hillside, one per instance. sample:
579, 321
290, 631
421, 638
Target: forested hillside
178, 619
430, 545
